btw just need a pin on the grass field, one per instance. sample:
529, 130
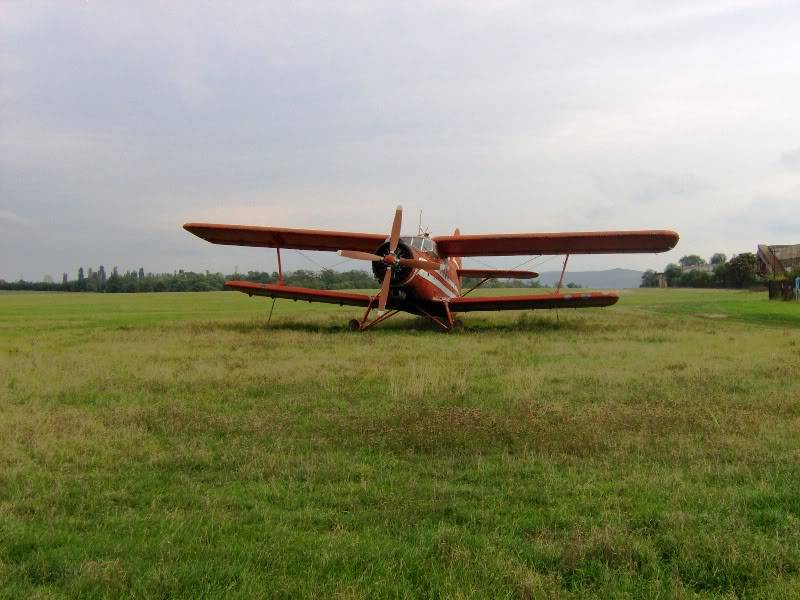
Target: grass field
172, 445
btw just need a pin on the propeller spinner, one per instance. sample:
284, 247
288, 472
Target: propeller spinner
391, 259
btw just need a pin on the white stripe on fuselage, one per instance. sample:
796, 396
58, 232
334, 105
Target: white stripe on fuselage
443, 278
435, 281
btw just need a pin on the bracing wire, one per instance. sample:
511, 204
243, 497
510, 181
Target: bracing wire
484, 264
522, 264
320, 265
525, 262
311, 260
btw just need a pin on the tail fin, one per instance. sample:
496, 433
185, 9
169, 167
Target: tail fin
455, 264
458, 258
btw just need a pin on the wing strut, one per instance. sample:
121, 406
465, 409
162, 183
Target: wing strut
280, 267
476, 286
563, 270
280, 282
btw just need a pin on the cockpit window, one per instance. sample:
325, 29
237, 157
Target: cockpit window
420, 243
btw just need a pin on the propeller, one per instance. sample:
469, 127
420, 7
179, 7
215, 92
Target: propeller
391, 260
414, 263
360, 255
419, 263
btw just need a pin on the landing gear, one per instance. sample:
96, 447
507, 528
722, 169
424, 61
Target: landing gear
449, 323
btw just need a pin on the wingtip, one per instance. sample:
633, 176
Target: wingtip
674, 238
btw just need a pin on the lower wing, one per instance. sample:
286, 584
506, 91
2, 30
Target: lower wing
578, 300
497, 273
299, 293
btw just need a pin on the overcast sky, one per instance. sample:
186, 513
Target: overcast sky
119, 121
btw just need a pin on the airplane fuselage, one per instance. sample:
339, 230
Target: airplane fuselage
420, 291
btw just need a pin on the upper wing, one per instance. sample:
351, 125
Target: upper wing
280, 237
584, 300
597, 242
298, 293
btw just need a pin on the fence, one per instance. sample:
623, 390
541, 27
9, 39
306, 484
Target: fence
783, 289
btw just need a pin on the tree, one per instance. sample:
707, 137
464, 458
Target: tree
691, 260
696, 279
742, 270
673, 273
327, 278
649, 279
718, 258
114, 282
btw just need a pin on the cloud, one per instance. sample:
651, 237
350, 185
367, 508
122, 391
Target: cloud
11, 219
119, 122
645, 188
791, 159
769, 220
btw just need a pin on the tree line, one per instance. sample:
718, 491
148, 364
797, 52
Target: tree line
98, 280
189, 281
718, 272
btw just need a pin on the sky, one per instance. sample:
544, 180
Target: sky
120, 121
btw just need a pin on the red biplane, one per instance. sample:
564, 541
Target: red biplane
422, 275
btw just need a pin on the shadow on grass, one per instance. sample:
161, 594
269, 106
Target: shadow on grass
524, 322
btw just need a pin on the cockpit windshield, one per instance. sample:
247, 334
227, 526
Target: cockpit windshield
419, 242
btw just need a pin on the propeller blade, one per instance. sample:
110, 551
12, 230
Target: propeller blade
384, 293
394, 238
418, 263
355, 254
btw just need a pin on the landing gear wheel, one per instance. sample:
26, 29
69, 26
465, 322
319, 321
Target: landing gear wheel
458, 325
353, 325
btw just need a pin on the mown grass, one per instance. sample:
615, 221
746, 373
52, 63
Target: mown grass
173, 445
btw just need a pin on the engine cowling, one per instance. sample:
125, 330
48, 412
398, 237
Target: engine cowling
400, 273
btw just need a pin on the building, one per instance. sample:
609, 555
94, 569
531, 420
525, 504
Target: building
777, 261
704, 268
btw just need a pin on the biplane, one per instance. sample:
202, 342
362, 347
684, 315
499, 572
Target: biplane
423, 275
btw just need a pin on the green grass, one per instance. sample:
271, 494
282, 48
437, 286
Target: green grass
172, 445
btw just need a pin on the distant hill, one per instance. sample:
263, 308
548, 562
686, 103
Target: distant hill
612, 278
